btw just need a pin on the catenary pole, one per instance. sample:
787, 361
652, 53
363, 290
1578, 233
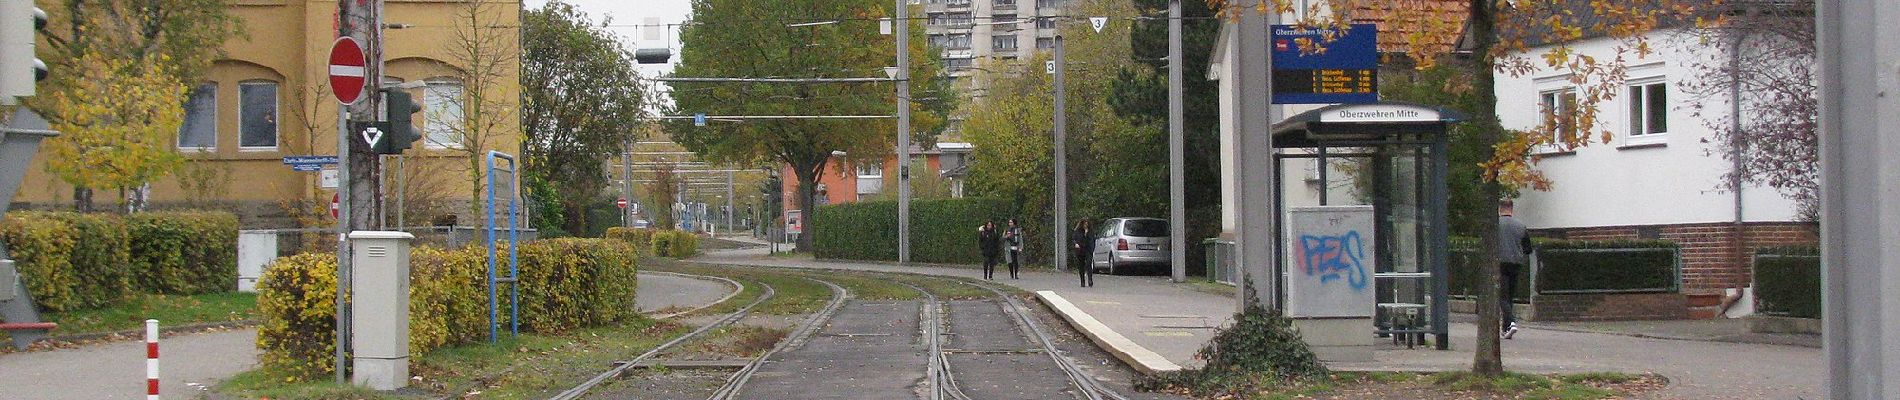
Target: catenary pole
1061, 155
1177, 142
1860, 196
903, 130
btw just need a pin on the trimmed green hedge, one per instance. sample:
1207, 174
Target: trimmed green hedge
1607, 266
1788, 281
74, 261
675, 244
639, 238
565, 284
868, 230
1463, 267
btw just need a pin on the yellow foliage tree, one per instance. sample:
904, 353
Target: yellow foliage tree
118, 120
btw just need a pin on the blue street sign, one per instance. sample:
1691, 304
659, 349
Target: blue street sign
699, 119
1343, 70
306, 167
309, 163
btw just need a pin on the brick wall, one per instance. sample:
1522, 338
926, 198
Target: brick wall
1609, 307
1709, 260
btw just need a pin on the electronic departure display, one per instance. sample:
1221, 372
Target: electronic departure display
1345, 71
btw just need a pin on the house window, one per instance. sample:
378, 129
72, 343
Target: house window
957, 19
870, 178
1045, 43
958, 41
257, 111
1003, 18
1048, 3
940, 41
1003, 43
957, 63
958, 3
1045, 22
1003, 3
1560, 113
935, 19
1649, 109
200, 130
442, 113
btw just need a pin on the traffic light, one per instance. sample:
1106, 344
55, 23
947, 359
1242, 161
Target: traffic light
401, 133
652, 56
20, 69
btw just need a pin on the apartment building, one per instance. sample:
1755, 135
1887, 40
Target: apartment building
972, 31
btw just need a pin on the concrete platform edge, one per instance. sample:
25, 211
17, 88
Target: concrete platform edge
1137, 357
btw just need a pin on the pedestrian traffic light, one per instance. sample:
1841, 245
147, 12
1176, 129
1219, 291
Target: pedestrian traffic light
401, 133
20, 69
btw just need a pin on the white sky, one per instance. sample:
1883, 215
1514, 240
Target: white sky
626, 14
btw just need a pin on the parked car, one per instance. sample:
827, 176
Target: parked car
1126, 244
642, 224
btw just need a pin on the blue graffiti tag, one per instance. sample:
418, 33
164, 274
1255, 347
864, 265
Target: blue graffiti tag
1334, 257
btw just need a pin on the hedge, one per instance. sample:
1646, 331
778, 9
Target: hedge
74, 261
1463, 266
183, 252
1607, 266
868, 230
640, 238
565, 284
1788, 281
675, 244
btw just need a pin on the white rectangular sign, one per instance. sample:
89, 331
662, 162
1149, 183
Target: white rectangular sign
327, 179
1330, 261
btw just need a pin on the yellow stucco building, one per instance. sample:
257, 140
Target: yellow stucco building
267, 97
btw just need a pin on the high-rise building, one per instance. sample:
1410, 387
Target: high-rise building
972, 31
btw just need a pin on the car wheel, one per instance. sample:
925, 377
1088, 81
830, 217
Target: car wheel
1111, 264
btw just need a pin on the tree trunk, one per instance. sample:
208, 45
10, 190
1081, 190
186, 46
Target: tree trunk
1488, 360
574, 218
807, 203
82, 199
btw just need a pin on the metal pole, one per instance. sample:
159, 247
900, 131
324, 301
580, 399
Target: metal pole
1860, 196
1177, 144
342, 241
728, 210
1253, 83
903, 130
1061, 205
626, 181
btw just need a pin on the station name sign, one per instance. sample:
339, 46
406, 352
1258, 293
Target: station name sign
1325, 66
1381, 113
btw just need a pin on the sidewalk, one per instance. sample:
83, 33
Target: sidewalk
1174, 320
189, 364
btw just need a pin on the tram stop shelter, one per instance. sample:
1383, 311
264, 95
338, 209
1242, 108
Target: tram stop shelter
1402, 149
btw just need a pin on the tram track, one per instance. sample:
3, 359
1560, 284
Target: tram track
622, 366
736, 383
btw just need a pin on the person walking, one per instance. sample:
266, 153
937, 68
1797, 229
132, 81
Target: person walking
991, 243
1514, 249
1082, 242
1014, 237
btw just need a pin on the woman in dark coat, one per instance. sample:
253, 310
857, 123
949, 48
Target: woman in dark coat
1082, 242
991, 242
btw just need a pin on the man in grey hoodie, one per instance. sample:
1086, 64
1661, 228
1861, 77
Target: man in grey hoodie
1514, 249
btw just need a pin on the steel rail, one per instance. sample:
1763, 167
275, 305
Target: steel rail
737, 381
579, 390
1089, 388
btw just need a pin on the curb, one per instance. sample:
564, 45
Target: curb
1641, 335
1137, 357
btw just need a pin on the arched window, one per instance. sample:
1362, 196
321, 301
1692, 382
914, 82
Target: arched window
257, 113
443, 103
200, 129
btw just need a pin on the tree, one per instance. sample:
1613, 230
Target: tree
661, 193
119, 120
1768, 59
177, 39
1140, 94
485, 52
580, 98
748, 38
1516, 38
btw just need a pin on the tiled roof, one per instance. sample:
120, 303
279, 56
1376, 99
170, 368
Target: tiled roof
1436, 24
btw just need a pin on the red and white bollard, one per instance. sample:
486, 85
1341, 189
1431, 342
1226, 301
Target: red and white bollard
151, 359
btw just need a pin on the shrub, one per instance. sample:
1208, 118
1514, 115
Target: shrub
639, 238
1788, 281
100, 256
675, 244
1261, 351
1463, 260
41, 247
868, 230
565, 284
1607, 266
296, 300
183, 252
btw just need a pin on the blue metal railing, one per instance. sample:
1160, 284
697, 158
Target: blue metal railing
514, 271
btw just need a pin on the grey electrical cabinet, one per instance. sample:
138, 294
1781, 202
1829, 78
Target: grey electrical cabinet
379, 308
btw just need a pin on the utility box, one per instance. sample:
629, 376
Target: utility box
1329, 279
379, 308
9, 279
256, 249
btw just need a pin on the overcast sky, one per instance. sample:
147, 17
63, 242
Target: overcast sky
626, 17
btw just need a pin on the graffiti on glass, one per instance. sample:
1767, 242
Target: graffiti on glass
1334, 258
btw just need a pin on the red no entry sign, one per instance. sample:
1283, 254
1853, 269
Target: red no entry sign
347, 72
334, 207
622, 203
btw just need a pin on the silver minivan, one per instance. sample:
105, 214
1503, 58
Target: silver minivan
1124, 244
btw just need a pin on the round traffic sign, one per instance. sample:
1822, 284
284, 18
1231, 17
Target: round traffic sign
348, 73
334, 206
622, 203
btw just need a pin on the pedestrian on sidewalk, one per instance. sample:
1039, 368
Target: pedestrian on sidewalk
1014, 236
1514, 250
1082, 242
991, 243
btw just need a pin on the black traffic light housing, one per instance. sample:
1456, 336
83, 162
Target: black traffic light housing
652, 56
399, 129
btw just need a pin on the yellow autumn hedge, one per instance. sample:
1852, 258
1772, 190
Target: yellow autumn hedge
565, 284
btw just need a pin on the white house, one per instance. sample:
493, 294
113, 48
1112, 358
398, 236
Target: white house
1660, 176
